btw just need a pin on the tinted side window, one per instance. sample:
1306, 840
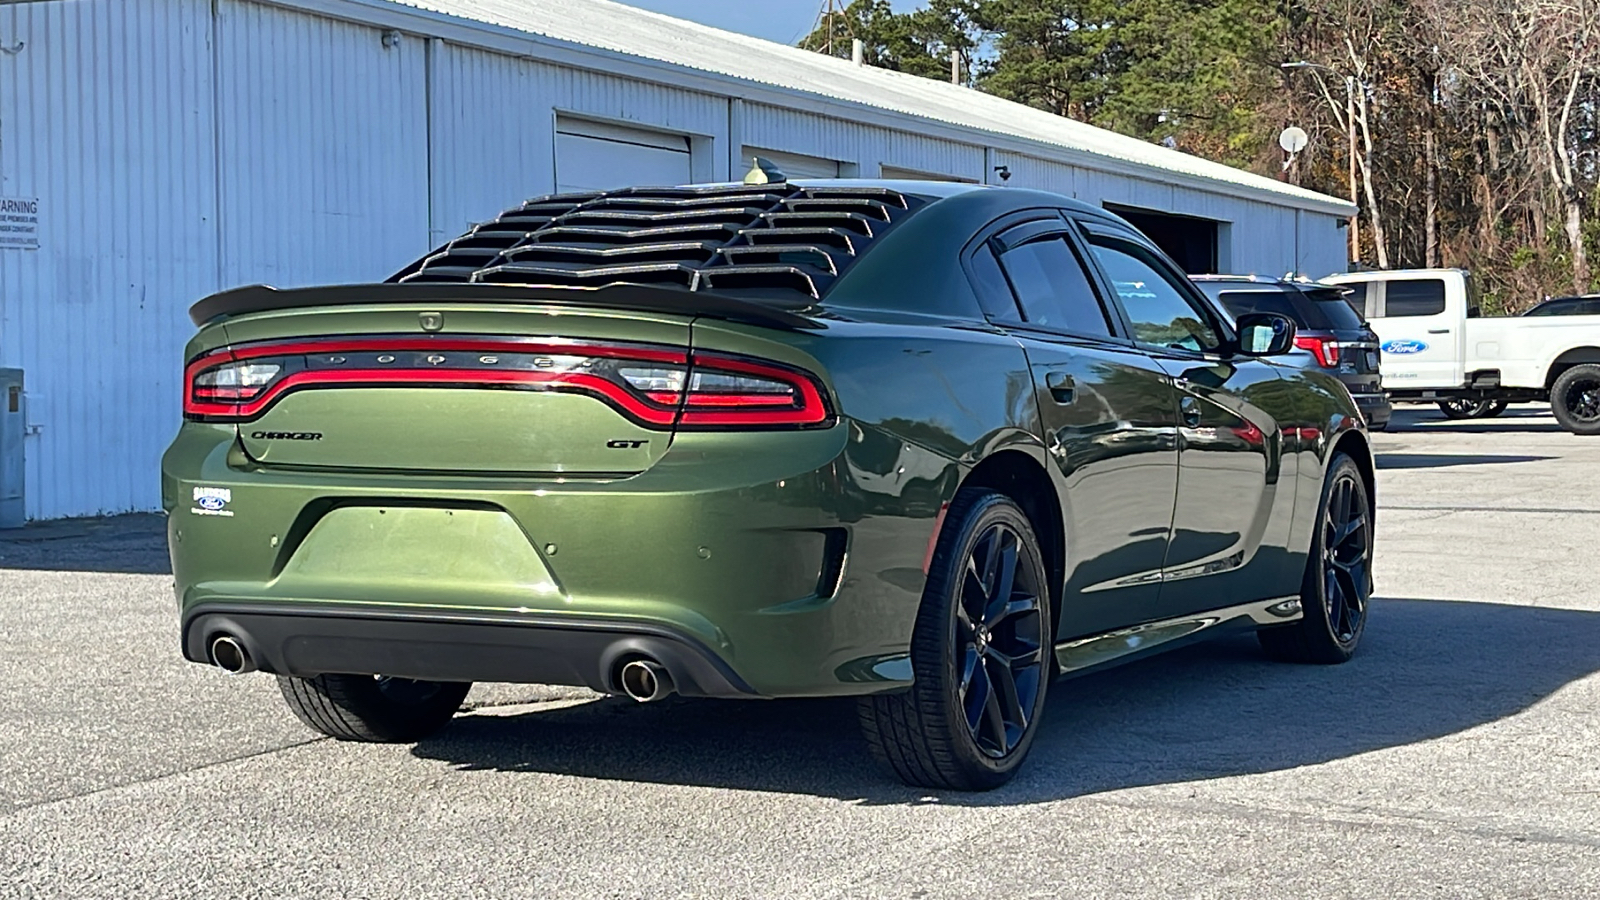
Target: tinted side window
1424, 297
994, 294
1053, 289
1241, 302
1160, 313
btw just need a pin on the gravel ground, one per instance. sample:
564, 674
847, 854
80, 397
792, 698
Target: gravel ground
1455, 757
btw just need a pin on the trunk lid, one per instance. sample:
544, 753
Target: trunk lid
457, 388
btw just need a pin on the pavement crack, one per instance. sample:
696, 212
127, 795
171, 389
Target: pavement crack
1371, 817
1530, 510
161, 776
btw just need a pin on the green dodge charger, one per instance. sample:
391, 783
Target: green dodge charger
930, 445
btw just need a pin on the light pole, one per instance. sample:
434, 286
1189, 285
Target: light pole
1350, 121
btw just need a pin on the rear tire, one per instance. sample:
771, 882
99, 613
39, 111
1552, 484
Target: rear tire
980, 651
1463, 408
1337, 588
1575, 399
372, 708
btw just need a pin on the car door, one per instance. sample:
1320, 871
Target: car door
1234, 501
1109, 419
1423, 339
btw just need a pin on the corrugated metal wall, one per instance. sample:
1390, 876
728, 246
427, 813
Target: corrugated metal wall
179, 147
106, 117
494, 127
323, 148
868, 147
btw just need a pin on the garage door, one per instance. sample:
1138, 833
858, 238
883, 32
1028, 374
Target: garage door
898, 174
794, 165
596, 156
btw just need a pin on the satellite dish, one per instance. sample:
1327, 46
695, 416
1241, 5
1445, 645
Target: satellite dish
1293, 139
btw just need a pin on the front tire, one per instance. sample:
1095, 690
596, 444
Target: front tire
979, 651
1337, 588
1575, 399
373, 708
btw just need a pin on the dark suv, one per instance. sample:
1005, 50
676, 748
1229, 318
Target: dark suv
1334, 333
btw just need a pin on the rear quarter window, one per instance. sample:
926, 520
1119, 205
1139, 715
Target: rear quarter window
1419, 297
1274, 301
1330, 306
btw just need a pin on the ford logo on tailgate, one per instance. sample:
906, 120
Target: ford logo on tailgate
1404, 347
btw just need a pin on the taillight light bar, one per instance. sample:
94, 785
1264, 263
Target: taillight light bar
657, 387
1325, 349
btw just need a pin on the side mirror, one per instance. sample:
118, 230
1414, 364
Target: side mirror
1265, 334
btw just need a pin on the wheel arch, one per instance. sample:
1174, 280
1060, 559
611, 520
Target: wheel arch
1023, 478
1576, 356
1355, 445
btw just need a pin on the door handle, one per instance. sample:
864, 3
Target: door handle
1438, 331
1190, 408
1062, 388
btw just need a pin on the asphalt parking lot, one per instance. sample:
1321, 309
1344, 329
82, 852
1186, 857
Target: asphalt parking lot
1458, 756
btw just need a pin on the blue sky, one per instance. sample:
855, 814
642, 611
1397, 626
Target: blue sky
785, 21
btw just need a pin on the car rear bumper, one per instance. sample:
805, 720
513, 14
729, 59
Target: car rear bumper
437, 646
1375, 408
778, 555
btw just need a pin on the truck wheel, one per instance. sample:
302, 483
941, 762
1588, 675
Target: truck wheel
981, 653
1575, 399
1491, 409
1462, 408
1337, 588
373, 708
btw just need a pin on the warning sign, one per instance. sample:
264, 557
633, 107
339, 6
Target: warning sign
19, 223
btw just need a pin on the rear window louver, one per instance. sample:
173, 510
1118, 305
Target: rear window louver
773, 240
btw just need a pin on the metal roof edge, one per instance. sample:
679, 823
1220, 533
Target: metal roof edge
498, 38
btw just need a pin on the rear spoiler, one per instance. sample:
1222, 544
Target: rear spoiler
636, 297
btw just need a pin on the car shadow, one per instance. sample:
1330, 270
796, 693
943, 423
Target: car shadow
1446, 460
131, 544
1417, 420
1427, 669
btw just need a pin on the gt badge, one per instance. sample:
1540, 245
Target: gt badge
626, 445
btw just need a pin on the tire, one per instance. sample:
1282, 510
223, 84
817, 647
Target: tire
1492, 409
373, 708
1575, 399
1463, 408
1336, 592
962, 638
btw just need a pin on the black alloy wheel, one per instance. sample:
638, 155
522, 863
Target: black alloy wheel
1575, 399
1464, 408
1346, 564
1000, 647
1337, 590
980, 654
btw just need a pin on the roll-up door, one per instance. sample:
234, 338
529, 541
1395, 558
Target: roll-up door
593, 156
794, 165
898, 174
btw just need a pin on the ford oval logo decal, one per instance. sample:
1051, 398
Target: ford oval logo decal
211, 503
1404, 347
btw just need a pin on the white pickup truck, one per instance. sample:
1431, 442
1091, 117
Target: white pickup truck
1436, 347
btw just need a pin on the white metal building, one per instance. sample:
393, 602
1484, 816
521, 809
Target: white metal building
156, 151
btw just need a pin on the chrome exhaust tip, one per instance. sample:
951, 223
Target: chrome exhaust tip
230, 655
645, 681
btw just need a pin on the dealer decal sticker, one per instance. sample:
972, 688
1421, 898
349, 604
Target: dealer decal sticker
212, 501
